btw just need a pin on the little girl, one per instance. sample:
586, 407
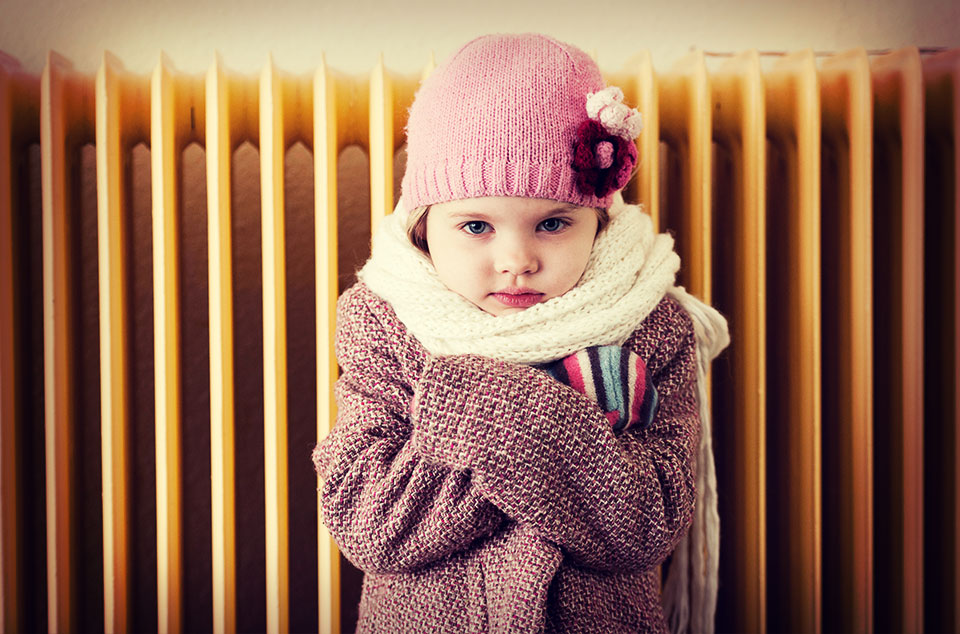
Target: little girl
522, 429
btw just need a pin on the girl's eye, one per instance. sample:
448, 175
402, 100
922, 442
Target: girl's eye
475, 227
552, 225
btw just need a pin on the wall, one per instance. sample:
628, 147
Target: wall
352, 33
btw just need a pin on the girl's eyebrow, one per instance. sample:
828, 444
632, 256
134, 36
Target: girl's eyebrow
556, 211
560, 208
458, 215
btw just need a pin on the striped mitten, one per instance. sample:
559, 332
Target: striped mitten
616, 378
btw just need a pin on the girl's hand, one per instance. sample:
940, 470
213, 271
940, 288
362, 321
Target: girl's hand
616, 378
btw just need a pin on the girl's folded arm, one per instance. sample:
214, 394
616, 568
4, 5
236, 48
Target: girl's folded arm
545, 455
388, 508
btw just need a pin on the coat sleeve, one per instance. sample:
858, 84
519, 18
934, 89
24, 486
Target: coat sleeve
388, 508
546, 455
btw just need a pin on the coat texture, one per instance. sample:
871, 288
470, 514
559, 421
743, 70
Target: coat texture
484, 496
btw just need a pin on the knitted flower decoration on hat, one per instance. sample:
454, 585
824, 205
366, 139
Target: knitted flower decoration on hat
604, 155
510, 115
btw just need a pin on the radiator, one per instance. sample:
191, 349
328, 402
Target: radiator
814, 200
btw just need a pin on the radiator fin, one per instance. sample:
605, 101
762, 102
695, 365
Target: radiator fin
898, 339
219, 144
847, 331
793, 459
9, 388
381, 144
274, 346
325, 155
112, 232
685, 125
60, 117
941, 77
739, 131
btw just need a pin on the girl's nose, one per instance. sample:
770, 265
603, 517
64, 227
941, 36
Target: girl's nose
517, 257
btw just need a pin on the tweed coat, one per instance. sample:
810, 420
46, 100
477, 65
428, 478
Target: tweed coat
484, 496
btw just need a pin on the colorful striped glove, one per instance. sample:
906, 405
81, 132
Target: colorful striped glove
616, 378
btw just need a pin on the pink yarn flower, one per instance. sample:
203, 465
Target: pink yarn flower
603, 161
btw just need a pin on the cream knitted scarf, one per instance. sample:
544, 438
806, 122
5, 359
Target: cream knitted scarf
628, 272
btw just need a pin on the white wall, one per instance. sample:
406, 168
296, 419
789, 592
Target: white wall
352, 32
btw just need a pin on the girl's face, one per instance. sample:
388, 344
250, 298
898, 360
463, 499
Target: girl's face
507, 254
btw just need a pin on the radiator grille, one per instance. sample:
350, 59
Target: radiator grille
815, 203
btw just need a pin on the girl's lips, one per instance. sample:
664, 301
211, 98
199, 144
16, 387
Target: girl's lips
518, 300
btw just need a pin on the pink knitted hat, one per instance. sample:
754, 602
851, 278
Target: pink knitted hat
518, 115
